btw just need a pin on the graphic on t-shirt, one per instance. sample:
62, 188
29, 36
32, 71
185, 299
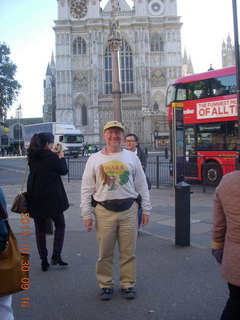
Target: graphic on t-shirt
114, 173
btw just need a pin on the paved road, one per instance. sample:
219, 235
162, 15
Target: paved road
173, 283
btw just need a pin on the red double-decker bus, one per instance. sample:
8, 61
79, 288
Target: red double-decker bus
209, 105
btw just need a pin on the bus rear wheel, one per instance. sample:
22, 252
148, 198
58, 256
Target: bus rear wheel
213, 173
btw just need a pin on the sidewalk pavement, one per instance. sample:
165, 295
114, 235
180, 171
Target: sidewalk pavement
173, 283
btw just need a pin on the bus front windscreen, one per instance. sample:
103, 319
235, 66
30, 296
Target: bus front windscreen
171, 92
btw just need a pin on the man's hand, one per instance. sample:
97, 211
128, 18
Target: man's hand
218, 254
145, 219
88, 224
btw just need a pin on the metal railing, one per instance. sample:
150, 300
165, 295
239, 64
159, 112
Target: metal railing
159, 174
157, 170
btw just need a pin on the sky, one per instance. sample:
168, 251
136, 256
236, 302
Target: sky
26, 26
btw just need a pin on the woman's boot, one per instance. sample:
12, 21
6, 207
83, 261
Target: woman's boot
56, 259
44, 264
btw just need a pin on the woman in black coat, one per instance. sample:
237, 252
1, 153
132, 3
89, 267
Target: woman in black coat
46, 195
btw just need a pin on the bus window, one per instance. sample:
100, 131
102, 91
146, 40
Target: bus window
181, 93
231, 136
211, 136
224, 85
191, 94
195, 89
171, 92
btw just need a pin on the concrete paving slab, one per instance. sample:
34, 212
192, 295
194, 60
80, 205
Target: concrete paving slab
173, 283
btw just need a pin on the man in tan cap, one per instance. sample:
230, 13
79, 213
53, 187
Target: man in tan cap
112, 181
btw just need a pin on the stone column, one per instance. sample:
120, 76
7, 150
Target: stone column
115, 43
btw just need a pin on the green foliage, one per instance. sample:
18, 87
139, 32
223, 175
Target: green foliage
9, 87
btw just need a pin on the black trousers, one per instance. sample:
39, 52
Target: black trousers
40, 230
232, 308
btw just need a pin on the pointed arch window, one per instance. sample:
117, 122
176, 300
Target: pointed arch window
126, 67
4, 140
108, 71
79, 46
17, 132
84, 115
157, 44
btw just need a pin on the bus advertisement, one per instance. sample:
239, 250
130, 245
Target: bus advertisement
210, 113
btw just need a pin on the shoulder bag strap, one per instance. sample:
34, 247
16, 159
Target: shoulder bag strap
24, 178
3, 213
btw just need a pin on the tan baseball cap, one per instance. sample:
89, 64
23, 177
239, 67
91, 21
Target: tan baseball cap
113, 124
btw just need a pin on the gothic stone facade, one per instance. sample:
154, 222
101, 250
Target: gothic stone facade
150, 59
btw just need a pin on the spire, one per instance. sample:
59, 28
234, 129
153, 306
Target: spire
48, 72
185, 58
52, 59
229, 40
190, 66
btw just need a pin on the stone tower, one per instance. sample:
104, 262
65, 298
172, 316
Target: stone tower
228, 53
150, 59
187, 67
49, 86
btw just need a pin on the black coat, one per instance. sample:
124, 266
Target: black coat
46, 194
142, 157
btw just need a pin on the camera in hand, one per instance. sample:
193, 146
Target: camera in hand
58, 147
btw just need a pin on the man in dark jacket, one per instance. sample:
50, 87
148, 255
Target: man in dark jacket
132, 144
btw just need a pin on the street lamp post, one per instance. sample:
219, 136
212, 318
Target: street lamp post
236, 45
19, 144
115, 43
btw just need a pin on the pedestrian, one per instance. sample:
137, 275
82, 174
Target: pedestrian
6, 312
90, 149
112, 181
226, 239
47, 198
132, 144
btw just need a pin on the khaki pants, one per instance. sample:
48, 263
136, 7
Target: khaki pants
122, 227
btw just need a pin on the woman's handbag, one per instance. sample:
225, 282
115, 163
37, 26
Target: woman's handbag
20, 204
14, 266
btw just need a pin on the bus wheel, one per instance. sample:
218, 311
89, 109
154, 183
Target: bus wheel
213, 173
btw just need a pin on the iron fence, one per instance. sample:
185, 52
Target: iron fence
158, 172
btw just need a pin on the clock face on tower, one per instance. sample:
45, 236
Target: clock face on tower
156, 7
78, 9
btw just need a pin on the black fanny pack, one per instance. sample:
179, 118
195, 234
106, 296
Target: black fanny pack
117, 204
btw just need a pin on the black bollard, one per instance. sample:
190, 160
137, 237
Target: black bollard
49, 226
182, 214
166, 153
